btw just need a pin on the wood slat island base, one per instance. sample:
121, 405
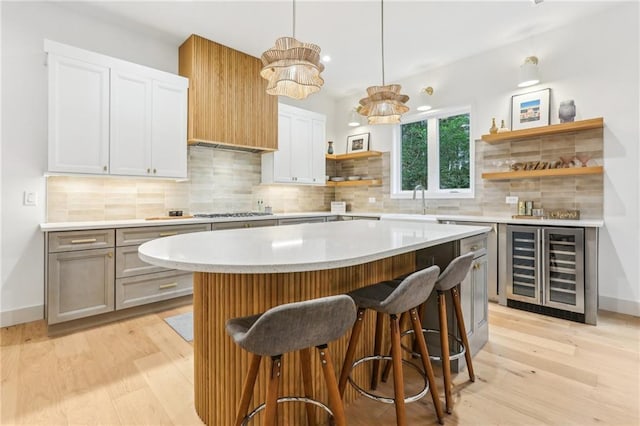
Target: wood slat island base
220, 365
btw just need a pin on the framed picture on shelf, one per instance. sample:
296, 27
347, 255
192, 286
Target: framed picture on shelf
358, 143
530, 110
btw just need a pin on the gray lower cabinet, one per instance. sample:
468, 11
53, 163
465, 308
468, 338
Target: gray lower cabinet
80, 284
299, 220
99, 271
474, 292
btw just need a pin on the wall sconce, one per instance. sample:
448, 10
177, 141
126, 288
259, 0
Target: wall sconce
529, 72
354, 118
424, 99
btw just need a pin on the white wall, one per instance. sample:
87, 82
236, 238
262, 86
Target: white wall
594, 62
24, 132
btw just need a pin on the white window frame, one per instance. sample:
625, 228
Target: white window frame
433, 157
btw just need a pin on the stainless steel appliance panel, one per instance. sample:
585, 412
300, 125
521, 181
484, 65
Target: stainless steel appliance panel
564, 268
523, 264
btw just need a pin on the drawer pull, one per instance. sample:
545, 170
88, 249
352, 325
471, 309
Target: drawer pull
164, 286
84, 241
474, 248
167, 234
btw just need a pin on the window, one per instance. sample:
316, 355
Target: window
434, 151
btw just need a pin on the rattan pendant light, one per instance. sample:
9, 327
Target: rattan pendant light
384, 104
292, 68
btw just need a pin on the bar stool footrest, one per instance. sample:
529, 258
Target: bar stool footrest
380, 398
456, 346
283, 399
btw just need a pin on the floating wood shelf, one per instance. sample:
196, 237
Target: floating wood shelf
368, 182
353, 155
526, 174
594, 123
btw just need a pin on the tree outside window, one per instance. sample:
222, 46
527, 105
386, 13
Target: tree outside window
435, 153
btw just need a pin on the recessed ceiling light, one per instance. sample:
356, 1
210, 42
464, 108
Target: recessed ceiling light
424, 108
326, 58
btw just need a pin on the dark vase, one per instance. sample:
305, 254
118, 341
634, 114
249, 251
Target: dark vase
330, 149
567, 111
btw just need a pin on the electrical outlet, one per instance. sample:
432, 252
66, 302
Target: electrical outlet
511, 200
372, 200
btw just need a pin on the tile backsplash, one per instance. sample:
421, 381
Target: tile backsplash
219, 181
229, 181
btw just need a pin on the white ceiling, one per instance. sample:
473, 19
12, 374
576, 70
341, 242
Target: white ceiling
419, 35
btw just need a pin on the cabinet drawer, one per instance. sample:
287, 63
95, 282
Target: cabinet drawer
244, 224
151, 288
476, 244
298, 220
136, 236
80, 240
129, 264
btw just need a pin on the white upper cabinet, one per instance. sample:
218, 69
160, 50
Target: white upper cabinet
131, 103
300, 157
169, 125
108, 116
78, 116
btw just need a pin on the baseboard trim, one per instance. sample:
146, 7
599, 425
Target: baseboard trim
22, 315
621, 306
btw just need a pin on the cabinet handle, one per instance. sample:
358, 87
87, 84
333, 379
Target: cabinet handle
84, 241
104, 168
154, 171
148, 170
110, 255
163, 286
167, 234
473, 248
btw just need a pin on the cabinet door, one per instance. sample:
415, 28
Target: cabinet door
301, 140
169, 132
474, 301
80, 284
318, 159
78, 116
130, 149
282, 157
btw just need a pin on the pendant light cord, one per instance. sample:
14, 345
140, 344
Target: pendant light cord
382, 36
294, 18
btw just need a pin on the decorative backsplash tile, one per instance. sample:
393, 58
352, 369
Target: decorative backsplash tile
229, 181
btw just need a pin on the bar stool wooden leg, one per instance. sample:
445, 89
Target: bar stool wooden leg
247, 388
307, 381
351, 351
426, 363
398, 379
272, 392
455, 295
388, 365
444, 348
377, 350
335, 401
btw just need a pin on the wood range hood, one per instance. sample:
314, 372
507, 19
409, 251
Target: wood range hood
229, 107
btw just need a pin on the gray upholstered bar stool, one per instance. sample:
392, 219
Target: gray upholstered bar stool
385, 298
453, 275
288, 328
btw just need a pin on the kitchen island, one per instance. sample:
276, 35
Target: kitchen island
247, 271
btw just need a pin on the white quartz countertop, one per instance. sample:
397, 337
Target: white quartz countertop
297, 248
73, 226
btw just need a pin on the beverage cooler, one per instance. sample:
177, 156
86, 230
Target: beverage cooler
545, 270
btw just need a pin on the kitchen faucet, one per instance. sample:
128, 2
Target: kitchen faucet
424, 203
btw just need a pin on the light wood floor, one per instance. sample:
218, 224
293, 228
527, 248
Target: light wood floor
534, 370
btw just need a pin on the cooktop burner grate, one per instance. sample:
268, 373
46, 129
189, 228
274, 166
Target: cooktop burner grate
238, 214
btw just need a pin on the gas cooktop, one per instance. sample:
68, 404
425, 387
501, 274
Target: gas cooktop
238, 214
